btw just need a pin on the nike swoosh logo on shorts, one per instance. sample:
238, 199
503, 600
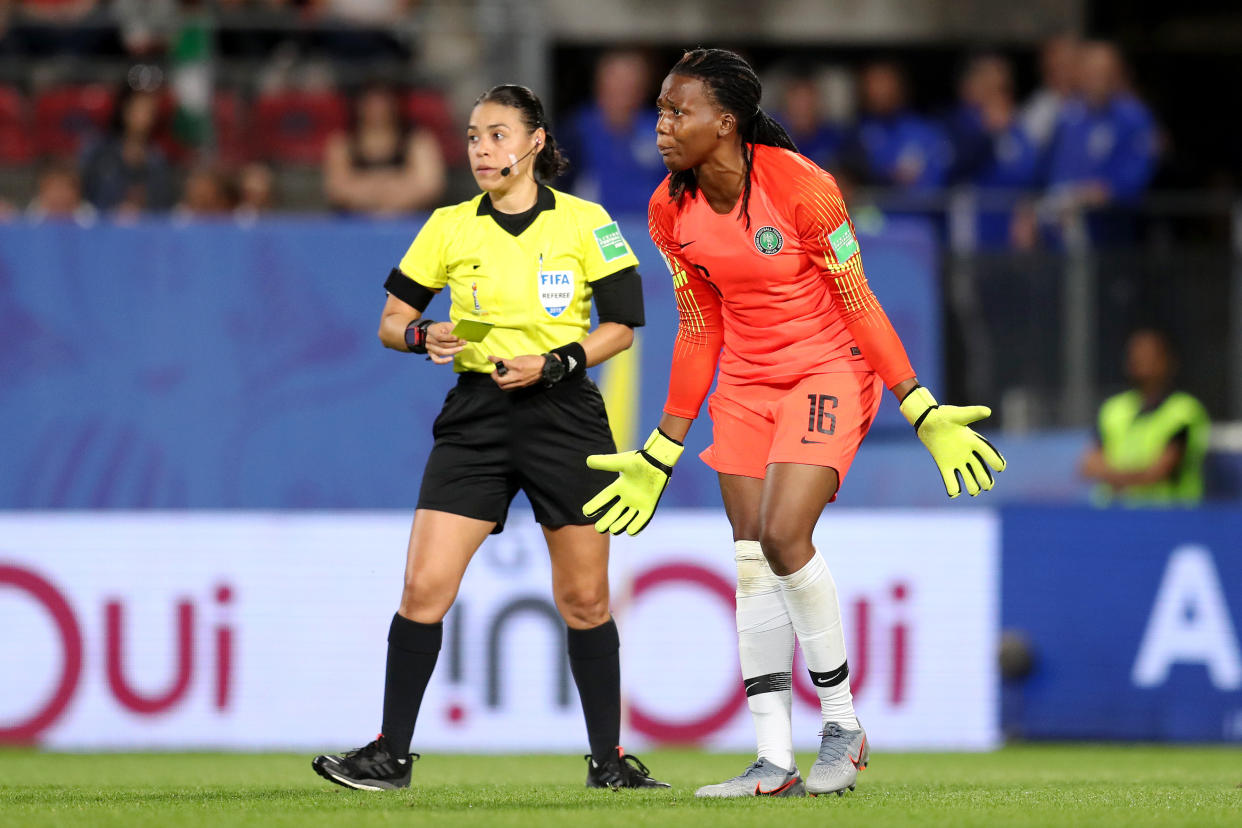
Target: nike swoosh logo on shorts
816, 442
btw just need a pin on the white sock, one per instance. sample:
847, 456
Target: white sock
811, 600
765, 645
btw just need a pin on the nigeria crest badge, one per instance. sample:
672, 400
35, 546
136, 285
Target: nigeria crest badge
769, 241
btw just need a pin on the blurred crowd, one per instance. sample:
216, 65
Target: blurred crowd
142, 29
374, 160
166, 139
178, 134
1081, 139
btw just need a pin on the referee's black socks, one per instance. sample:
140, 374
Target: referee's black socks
412, 652
595, 659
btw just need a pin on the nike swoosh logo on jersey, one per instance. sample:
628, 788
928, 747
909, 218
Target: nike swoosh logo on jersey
684, 245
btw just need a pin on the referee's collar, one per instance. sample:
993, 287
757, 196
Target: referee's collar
515, 223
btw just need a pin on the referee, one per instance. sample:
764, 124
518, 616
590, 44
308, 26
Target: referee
523, 415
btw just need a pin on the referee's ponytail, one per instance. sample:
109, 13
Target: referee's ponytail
551, 160
734, 86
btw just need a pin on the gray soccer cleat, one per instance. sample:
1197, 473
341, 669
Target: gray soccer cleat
842, 754
762, 778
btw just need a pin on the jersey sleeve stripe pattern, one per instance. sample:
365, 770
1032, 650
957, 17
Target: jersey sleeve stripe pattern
700, 335
859, 308
692, 327
854, 294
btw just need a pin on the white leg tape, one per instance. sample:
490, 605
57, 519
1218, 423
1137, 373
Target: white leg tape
754, 576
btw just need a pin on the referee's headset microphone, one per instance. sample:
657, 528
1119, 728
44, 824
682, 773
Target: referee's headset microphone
501, 368
504, 171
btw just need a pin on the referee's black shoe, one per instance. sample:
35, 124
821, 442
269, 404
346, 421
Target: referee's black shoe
369, 768
620, 770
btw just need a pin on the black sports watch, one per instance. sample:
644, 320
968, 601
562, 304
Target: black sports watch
416, 335
553, 369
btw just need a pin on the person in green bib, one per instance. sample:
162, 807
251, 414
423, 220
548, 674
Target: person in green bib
1151, 441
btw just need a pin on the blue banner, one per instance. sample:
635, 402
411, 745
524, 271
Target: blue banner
163, 365
1133, 620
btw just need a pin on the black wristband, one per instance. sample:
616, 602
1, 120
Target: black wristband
416, 335
573, 356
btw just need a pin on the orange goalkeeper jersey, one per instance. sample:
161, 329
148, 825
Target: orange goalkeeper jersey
783, 297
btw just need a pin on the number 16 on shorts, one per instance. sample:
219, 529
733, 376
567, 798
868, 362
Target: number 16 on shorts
820, 417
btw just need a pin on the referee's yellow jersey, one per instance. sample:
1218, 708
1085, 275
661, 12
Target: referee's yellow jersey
535, 287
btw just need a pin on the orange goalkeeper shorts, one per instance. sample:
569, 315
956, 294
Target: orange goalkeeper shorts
817, 420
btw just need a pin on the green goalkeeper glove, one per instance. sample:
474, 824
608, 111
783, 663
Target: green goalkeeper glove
636, 492
955, 447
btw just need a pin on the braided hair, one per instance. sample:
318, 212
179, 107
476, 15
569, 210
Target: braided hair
735, 88
551, 161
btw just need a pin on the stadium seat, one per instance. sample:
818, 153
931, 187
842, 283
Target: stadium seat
15, 144
429, 109
229, 119
64, 116
165, 135
293, 127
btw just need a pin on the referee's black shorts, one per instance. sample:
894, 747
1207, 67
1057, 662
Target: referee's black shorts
490, 443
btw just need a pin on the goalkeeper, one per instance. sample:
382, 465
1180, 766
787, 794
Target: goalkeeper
769, 285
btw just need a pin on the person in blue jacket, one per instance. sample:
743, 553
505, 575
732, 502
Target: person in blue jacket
616, 160
897, 147
1104, 152
992, 150
802, 116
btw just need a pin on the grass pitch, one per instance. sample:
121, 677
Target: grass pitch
1042, 785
